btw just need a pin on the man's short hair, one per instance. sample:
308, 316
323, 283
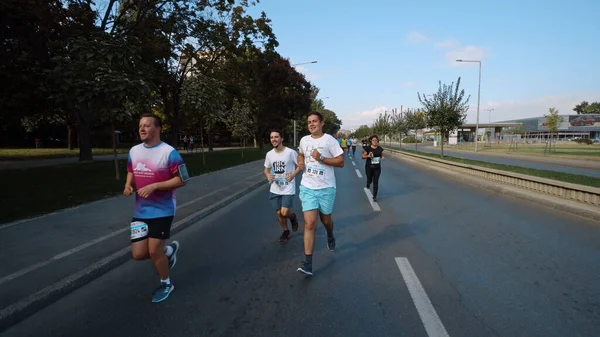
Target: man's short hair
276, 130
157, 120
316, 113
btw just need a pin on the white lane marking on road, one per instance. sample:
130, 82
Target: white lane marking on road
374, 204
100, 239
353, 163
429, 317
358, 173
59, 256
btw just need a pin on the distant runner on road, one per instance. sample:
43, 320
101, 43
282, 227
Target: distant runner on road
320, 153
374, 155
156, 169
281, 168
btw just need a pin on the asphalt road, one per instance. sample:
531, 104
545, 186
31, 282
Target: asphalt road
508, 161
489, 265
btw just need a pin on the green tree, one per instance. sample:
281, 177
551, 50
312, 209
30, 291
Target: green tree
592, 108
203, 104
383, 125
446, 109
580, 108
94, 79
363, 131
240, 121
553, 120
415, 120
332, 122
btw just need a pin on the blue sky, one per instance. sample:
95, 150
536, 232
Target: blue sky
377, 55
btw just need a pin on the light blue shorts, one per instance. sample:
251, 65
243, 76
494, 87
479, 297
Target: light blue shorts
321, 199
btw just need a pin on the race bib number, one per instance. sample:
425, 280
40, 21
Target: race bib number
139, 230
315, 171
375, 160
280, 179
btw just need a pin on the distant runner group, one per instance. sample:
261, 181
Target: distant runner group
155, 170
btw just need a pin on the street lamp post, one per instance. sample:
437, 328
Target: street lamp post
297, 64
478, 97
294, 65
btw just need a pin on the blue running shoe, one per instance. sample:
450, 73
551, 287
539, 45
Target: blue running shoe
173, 257
162, 292
305, 268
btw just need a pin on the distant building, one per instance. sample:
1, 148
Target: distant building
586, 126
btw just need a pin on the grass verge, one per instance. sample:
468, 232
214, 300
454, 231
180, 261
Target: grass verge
40, 190
568, 150
32, 154
560, 176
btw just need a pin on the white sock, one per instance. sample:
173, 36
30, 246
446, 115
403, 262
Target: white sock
169, 250
167, 281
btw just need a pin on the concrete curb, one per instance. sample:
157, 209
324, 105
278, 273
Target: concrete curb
588, 212
20, 310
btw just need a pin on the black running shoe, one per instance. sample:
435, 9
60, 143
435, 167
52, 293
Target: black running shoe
285, 236
331, 242
294, 221
375, 199
305, 268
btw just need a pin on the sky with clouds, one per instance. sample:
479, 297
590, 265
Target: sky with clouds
375, 56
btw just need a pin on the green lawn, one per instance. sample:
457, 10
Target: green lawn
566, 177
570, 150
32, 154
35, 191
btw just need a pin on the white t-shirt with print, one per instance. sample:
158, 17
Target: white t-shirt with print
281, 163
319, 175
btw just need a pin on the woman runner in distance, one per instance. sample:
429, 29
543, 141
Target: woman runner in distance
373, 153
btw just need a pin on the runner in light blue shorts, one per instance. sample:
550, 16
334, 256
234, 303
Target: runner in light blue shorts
321, 199
318, 154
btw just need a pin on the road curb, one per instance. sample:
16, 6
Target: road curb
25, 307
574, 208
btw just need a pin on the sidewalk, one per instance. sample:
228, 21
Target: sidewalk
44, 258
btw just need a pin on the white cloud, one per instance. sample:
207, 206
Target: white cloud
307, 73
410, 84
465, 53
448, 44
350, 121
416, 37
537, 107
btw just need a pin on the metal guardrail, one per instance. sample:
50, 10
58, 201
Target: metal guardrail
579, 193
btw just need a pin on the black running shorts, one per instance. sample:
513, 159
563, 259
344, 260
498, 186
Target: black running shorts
157, 228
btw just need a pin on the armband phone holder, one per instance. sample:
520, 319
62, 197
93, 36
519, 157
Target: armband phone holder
183, 173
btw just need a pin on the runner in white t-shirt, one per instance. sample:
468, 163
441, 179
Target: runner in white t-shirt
281, 168
319, 153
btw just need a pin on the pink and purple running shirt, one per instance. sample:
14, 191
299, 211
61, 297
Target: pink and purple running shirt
151, 165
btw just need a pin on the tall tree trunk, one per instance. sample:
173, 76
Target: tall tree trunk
70, 136
85, 138
202, 144
209, 134
442, 141
114, 141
